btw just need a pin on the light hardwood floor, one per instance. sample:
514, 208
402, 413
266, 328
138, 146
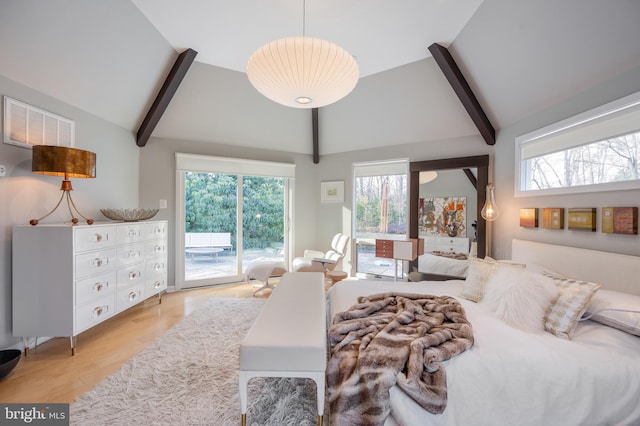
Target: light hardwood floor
51, 374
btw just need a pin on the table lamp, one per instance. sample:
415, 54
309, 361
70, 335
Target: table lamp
68, 163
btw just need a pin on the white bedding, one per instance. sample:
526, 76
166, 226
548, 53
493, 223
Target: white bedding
431, 264
510, 377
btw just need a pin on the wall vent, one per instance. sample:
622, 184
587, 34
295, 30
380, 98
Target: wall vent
26, 125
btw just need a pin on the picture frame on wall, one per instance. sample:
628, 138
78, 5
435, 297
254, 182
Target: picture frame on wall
332, 192
553, 218
620, 220
529, 217
25, 125
582, 219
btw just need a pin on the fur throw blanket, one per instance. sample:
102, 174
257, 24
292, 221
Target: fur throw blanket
388, 339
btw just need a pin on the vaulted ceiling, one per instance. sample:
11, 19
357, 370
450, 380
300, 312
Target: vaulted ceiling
519, 56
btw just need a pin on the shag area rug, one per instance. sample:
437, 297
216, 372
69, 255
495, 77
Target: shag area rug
189, 377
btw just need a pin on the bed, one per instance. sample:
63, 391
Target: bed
511, 376
449, 265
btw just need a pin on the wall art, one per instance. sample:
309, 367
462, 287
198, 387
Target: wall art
620, 220
332, 192
442, 216
26, 125
529, 218
582, 219
553, 218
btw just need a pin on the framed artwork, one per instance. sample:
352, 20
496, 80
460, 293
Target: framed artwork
332, 192
553, 218
26, 125
620, 220
442, 216
529, 218
582, 219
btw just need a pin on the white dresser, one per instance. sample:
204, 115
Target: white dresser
447, 244
68, 278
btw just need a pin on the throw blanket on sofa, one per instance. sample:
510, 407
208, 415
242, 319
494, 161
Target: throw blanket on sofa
388, 339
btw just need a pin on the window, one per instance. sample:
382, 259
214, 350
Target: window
380, 206
595, 151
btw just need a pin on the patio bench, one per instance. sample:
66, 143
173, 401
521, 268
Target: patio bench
214, 241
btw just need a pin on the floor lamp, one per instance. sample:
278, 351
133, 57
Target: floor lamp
67, 163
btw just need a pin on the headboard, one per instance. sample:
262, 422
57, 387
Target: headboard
616, 272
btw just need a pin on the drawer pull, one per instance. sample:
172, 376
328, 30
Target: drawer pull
157, 284
134, 275
98, 287
96, 238
97, 262
133, 254
158, 249
158, 231
100, 310
133, 295
158, 267
132, 233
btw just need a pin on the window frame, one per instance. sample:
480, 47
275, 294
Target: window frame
603, 113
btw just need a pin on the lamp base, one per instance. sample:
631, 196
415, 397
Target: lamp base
66, 193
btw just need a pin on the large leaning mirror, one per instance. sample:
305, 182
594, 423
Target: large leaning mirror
446, 197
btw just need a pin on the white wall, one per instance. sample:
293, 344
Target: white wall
24, 195
507, 226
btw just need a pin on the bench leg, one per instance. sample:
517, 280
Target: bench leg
319, 379
243, 396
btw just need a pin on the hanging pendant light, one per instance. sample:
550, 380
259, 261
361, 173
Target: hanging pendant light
490, 210
303, 72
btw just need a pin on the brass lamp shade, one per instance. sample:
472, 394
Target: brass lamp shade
62, 161
68, 163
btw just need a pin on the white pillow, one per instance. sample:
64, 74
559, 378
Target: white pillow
628, 319
519, 298
480, 270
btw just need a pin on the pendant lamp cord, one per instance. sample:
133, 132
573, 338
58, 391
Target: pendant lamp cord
304, 17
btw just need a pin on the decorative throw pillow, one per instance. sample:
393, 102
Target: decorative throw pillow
566, 309
480, 270
520, 298
615, 309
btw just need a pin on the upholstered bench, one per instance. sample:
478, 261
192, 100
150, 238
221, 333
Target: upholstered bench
288, 338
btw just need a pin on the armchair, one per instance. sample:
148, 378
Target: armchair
318, 261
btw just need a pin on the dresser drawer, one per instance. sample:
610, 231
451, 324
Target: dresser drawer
95, 287
131, 254
156, 248
95, 262
384, 249
94, 238
155, 230
155, 267
129, 297
155, 286
130, 276
130, 233
94, 312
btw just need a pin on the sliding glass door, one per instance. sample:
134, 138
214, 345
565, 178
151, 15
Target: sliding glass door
380, 206
229, 220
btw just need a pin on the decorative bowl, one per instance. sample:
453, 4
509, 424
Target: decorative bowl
8, 360
129, 215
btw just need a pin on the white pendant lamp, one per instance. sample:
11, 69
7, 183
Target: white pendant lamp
303, 72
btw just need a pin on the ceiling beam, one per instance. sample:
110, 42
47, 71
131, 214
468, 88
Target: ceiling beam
314, 125
451, 71
169, 88
472, 177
